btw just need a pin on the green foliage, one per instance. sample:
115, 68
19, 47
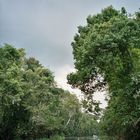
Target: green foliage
11, 93
31, 105
106, 53
26, 90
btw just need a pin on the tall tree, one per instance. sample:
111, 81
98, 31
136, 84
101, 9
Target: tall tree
106, 57
31, 104
26, 87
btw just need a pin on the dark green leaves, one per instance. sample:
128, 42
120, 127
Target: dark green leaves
106, 48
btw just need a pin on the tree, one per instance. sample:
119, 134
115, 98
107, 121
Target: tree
31, 104
13, 113
106, 53
26, 88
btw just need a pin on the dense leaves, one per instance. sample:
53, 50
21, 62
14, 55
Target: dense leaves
25, 86
31, 105
107, 57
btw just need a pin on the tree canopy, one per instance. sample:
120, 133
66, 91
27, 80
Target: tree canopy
31, 104
107, 57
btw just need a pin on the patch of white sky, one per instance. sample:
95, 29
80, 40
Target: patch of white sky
61, 78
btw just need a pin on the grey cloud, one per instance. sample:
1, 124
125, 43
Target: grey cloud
45, 28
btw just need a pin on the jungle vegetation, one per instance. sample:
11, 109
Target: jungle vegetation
106, 57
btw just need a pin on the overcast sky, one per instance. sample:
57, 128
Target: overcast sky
45, 28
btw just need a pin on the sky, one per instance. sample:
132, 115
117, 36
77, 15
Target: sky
45, 28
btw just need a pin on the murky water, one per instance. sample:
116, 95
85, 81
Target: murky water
82, 138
